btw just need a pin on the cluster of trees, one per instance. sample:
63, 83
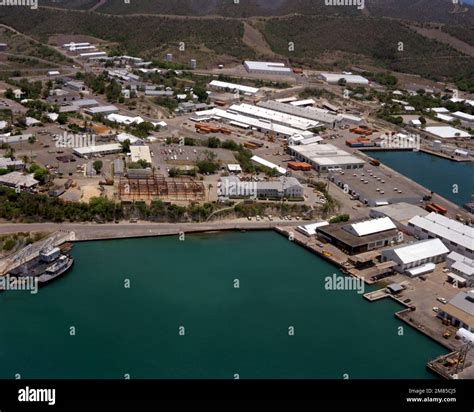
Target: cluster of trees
29, 207
31, 90
382, 114
208, 164
385, 79
167, 102
39, 173
340, 218
101, 84
140, 164
331, 203
176, 172
262, 208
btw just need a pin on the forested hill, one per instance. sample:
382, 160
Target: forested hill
417, 10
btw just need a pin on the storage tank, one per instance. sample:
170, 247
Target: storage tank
437, 145
465, 335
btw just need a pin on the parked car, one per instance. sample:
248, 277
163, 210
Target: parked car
442, 300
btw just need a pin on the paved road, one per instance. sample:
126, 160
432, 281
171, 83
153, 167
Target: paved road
92, 231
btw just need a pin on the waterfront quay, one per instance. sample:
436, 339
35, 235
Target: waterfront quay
92, 231
419, 297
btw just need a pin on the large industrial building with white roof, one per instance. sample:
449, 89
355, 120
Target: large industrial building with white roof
288, 187
98, 150
273, 116
355, 238
326, 157
224, 86
244, 121
267, 68
416, 258
446, 132
333, 78
310, 113
456, 236
400, 213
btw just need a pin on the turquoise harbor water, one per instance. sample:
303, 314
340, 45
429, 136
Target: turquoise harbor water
434, 173
228, 330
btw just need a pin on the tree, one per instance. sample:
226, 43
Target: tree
126, 146
98, 166
41, 174
62, 118
213, 142
201, 93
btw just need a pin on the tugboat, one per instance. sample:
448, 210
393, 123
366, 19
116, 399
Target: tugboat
57, 269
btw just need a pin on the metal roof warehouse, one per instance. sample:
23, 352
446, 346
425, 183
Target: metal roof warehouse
326, 156
96, 150
456, 236
233, 86
274, 116
258, 124
267, 68
311, 113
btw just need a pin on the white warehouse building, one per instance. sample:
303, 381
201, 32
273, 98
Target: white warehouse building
218, 85
420, 256
267, 68
456, 236
462, 269
284, 187
311, 113
260, 125
349, 78
98, 150
326, 157
273, 116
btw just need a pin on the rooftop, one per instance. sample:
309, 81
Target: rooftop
349, 78
401, 212
102, 109
111, 147
452, 233
446, 132
234, 86
311, 113
267, 66
420, 250
326, 154
252, 121
464, 301
372, 226
268, 164
273, 115
18, 179
338, 232
140, 153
